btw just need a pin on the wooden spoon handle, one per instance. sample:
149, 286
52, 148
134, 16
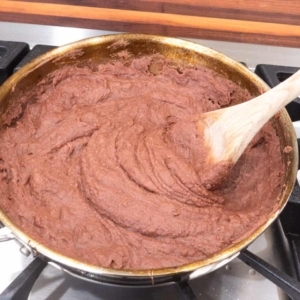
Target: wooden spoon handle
228, 131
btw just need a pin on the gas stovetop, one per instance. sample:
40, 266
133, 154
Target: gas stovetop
279, 246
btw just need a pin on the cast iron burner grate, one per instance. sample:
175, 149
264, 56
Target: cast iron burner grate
13, 55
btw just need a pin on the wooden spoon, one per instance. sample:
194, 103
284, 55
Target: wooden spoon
228, 131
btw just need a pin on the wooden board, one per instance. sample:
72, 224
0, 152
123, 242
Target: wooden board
262, 22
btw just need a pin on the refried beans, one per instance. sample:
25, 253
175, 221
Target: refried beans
103, 165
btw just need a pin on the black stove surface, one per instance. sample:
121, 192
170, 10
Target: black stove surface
14, 55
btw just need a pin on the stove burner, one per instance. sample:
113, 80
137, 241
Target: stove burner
10, 54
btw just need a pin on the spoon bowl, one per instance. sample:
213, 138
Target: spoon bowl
228, 131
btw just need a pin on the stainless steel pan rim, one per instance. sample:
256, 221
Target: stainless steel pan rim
215, 58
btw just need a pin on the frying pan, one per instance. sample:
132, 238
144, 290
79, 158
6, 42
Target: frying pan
101, 50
